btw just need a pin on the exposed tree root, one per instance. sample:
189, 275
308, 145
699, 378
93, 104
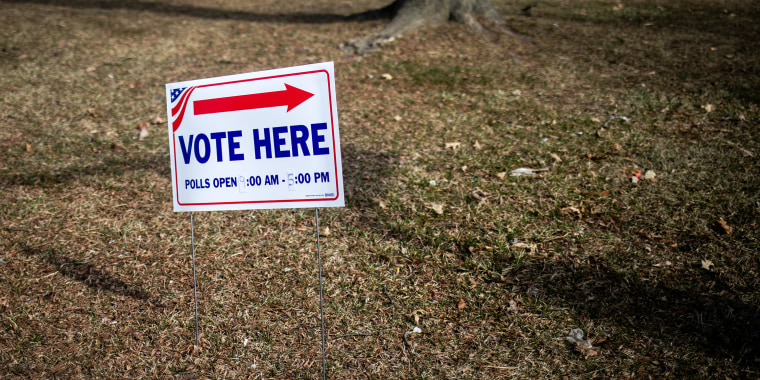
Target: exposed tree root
408, 15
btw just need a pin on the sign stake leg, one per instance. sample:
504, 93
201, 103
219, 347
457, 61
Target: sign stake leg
195, 283
321, 302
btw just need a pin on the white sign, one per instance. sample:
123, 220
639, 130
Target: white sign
267, 139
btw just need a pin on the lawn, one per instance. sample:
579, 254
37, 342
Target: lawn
638, 224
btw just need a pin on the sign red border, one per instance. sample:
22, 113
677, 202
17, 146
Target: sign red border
332, 129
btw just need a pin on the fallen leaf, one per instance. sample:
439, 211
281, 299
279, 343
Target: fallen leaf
477, 145
416, 315
461, 305
708, 107
599, 194
501, 175
517, 92
478, 194
386, 76
28, 147
452, 145
437, 207
707, 264
571, 210
324, 231
143, 127
526, 171
582, 345
587, 351
530, 247
724, 227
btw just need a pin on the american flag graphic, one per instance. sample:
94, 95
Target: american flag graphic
181, 97
176, 93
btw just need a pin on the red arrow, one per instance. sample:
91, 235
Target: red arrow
290, 97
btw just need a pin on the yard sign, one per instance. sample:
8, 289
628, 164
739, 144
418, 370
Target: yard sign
267, 139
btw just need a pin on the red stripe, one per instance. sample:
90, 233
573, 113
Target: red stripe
183, 101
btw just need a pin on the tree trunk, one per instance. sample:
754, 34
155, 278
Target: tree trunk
409, 15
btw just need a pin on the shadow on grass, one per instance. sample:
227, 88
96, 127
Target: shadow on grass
205, 12
695, 311
87, 273
692, 310
690, 46
365, 175
658, 315
111, 165
695, 308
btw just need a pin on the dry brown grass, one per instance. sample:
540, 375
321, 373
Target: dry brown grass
662, 275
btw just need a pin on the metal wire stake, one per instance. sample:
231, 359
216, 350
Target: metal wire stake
321, 304
195, 283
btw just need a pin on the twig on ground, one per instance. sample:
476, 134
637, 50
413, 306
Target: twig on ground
406, 342
16, 229
500, 367
410, 273
624, 118
385, 292
355, 334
